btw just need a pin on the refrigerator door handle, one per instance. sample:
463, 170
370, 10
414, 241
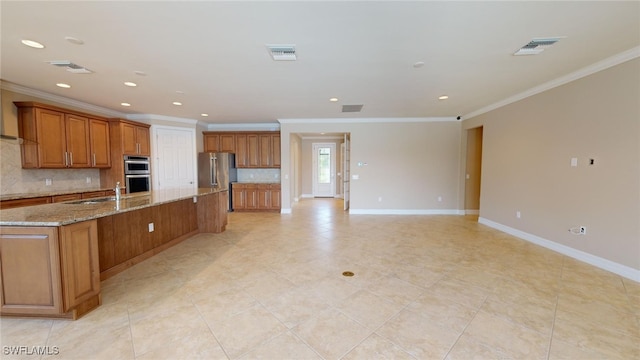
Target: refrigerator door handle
214, 175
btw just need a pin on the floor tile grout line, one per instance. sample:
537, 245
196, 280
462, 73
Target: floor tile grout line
555, 310
466, 326
210, 330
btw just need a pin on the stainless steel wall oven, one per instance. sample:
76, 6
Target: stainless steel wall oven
137, 173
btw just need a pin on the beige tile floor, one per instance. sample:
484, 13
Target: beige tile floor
425, 287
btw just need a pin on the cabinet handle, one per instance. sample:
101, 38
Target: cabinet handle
71, 157
66, 158
94, 159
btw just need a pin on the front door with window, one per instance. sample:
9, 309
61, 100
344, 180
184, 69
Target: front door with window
324, 170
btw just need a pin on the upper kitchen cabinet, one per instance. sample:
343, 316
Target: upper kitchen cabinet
134, 137
219, 142
253, 149
100, 143
58, 138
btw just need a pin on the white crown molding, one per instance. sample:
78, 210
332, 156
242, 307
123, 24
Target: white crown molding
365, 120
244, 127
622, 270
149, 117
97, 110
586, 71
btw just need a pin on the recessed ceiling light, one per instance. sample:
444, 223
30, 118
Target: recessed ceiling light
204, 115
73, 40
125, 104
418, 64
179, 92
131, 84
63, 85
177, 103
33, 44
443, 97
140, 73
333, 99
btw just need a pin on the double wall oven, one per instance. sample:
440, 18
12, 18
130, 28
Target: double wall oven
137, 173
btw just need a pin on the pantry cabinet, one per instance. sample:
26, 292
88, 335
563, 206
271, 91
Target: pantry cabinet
56, 138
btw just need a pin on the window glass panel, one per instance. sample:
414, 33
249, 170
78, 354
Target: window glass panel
324, 165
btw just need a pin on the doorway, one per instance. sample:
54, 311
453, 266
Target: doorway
473, 171
324, 169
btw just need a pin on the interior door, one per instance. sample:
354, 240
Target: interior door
324, 170
174, 153
346, 174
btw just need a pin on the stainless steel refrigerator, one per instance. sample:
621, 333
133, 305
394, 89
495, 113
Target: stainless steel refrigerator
217, 170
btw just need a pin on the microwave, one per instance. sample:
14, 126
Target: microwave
137, 165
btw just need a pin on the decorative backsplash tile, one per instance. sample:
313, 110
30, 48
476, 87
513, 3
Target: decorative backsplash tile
259, 175
16, 180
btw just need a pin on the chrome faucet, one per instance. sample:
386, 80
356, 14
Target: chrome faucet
117, 190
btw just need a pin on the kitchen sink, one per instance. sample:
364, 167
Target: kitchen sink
91, 201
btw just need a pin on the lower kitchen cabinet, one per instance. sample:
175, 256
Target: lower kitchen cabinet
256, 197
49, 271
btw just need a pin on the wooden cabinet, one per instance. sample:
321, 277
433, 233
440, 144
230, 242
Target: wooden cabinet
135, 138
100, 147
126, 138
51, 271
57, 138
256, 197
66, 197
253, 149
219, 142
79, 263
242, 158
10, 204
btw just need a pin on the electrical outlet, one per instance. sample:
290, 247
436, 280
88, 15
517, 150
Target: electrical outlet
518, 214
47, 182
151, 227
88, 179
439, 198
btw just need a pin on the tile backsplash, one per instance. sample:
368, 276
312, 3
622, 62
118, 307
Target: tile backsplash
259, 175
16, 180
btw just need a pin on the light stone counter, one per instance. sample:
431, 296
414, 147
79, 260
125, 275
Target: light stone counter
65, 213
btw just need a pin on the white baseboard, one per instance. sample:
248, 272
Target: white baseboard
285, 210
472, 212
406, 212
306, 196
622, 270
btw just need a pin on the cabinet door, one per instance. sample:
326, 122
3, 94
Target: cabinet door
263, 195
63, 198
227, 143
142, 137
275, 198
79, 262
253, 151
265, 150
242, 158
275, 151
211, 142
30, 271
77, 132
252, 198
51, 138
239, 195
100, 148
10, 204
129, 143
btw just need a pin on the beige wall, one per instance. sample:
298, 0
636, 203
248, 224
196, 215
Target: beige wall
409, 164
527, 151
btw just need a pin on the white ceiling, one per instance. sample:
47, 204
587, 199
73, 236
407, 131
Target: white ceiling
360, 52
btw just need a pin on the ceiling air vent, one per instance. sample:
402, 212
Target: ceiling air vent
71, 67
282, 52
352, 108
536, 46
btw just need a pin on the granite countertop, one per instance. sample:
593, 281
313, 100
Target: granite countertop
58, 214
4, 197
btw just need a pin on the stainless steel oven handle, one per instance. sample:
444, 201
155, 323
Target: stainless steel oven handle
137, 176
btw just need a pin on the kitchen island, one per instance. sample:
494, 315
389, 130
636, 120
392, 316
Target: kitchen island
53, 256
